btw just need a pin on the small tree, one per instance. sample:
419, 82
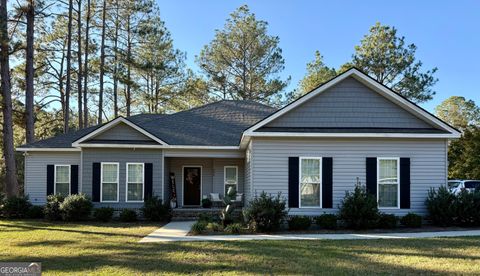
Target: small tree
359, 209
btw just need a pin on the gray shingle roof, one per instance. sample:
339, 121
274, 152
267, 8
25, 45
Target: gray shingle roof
217, 124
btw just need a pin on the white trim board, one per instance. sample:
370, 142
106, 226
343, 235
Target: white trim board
49, 149
372, 84
110, 125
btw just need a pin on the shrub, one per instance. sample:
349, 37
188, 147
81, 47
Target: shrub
327, 221
103, 214
387, 221
359, 209
128, 215
265, 213
154, 209
411, 220
16, 207
299, 223
234, 228
207, 203
35, 212
206, 218
52, 208
198, 227
76, 207
467, 208
214, 226
441, 206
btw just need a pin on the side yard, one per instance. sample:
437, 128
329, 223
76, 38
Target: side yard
101, 248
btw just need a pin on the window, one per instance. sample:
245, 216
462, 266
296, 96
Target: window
231, 177
310, 181
135, 181
388, 182
62, 180
109, 187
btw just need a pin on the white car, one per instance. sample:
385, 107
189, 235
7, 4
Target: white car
456, 186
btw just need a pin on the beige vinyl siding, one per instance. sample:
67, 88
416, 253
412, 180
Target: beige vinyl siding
36, 172
349, 104
427, 157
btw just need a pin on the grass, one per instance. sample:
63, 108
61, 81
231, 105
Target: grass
112, 248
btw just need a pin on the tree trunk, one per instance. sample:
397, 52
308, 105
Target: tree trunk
102, 64
29, 73
11, 184
79, 59
85, 69
129, 52
115, 65
66, 115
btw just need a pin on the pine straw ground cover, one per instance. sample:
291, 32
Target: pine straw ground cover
113, 248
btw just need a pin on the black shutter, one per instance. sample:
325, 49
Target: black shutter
96, 182
74, 179
327, 182
148, 180
50, 179
404, 183
371, 176
293, 182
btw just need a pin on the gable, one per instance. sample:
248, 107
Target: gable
348, 104
120, 132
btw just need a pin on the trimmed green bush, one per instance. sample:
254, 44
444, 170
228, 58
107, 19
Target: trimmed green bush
76, 207
214, 227
265, 213
35, 212
411, 220
128, 215
198, 227
207, 203
16, 207
359, 209
104, 214
467, 208
441, 206
299, 223
52, 208
327, 221
387, 221
154, 209
234, 228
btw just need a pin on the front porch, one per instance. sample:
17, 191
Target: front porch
189, 180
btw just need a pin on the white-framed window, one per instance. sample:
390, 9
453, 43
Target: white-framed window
62, 180
135, 182
310, 182
230, 177
388, 182
109, 186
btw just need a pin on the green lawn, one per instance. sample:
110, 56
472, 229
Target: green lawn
112, 248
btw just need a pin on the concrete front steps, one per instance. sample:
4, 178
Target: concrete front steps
187, 214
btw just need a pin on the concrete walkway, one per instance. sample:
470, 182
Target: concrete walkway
170, 232
177, 231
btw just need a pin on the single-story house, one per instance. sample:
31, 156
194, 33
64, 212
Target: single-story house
311, 151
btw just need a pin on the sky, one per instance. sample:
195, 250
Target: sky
446, 33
